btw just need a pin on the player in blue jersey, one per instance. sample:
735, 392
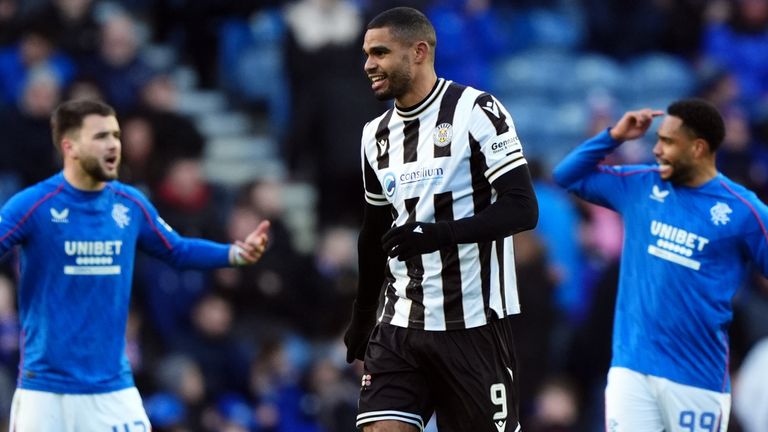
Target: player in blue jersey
691, 235
78, 232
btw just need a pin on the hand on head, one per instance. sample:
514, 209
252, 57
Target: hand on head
634, 124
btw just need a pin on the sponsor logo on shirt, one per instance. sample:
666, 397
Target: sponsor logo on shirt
676, 245
59, 216
93, 258
390, 184
505, 144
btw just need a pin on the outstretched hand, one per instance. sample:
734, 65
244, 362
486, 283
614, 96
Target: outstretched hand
250, 250
634, 124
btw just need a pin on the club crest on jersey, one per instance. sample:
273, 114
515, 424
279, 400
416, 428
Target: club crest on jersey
120, 215
719, 213
443, 134
389, 184
59, 216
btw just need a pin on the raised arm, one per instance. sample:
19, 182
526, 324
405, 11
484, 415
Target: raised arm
583, 160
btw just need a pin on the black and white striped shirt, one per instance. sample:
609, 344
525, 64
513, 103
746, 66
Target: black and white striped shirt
435, 162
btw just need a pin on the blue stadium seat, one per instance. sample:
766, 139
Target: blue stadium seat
532, 73
594, 72
658, 76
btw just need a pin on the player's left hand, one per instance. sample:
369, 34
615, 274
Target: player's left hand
416, 238
250, 250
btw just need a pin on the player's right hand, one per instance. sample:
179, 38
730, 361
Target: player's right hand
634, 124
358, 332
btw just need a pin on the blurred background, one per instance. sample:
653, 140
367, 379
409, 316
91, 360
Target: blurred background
233, 111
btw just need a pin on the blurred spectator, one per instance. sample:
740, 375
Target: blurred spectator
333, 395
740, 44
34, 52
166, 413
557, 407
175, 135
471, 38
750, 392
119, 70
280, 402
180, 378
330, 103
73, 26
740, 157
83, 88
277, 295
533, 327
139, 166
10, 21
27, 149
9, 327
223, 360
187, 200
623, 28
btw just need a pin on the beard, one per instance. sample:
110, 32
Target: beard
93, 168
398, 85
681, 174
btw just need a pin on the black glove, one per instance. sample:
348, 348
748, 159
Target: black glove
416, 238
358, 332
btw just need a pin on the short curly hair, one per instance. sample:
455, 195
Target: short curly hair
701, 119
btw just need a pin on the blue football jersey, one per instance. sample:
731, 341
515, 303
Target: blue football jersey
686, 252
77, 252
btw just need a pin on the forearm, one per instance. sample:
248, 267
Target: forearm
584, 159
199, 253
516, 209
371, 257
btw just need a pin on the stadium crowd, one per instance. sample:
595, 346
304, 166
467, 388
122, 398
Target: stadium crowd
259, 348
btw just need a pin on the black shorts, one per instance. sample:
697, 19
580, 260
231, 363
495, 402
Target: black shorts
466, 377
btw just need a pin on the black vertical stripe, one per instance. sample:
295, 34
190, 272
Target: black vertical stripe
453, 308
445, 117
390, 297
382, 141
371, 181
481, 198
410, 140
493, 111
500, 260
415, 268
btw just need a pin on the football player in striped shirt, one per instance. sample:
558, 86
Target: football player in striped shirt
446, 187
690, 237
78, 232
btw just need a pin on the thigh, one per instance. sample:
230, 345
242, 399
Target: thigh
473, 374
392, 387
630, 403
692, 409
36, 411
118, 411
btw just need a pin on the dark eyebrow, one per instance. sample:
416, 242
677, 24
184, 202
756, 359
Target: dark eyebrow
379, 49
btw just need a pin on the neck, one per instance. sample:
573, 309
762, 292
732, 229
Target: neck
422, 85
702, 176
79, 179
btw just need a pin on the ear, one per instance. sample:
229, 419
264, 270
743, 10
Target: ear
67, 146
700, 147
422, 51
